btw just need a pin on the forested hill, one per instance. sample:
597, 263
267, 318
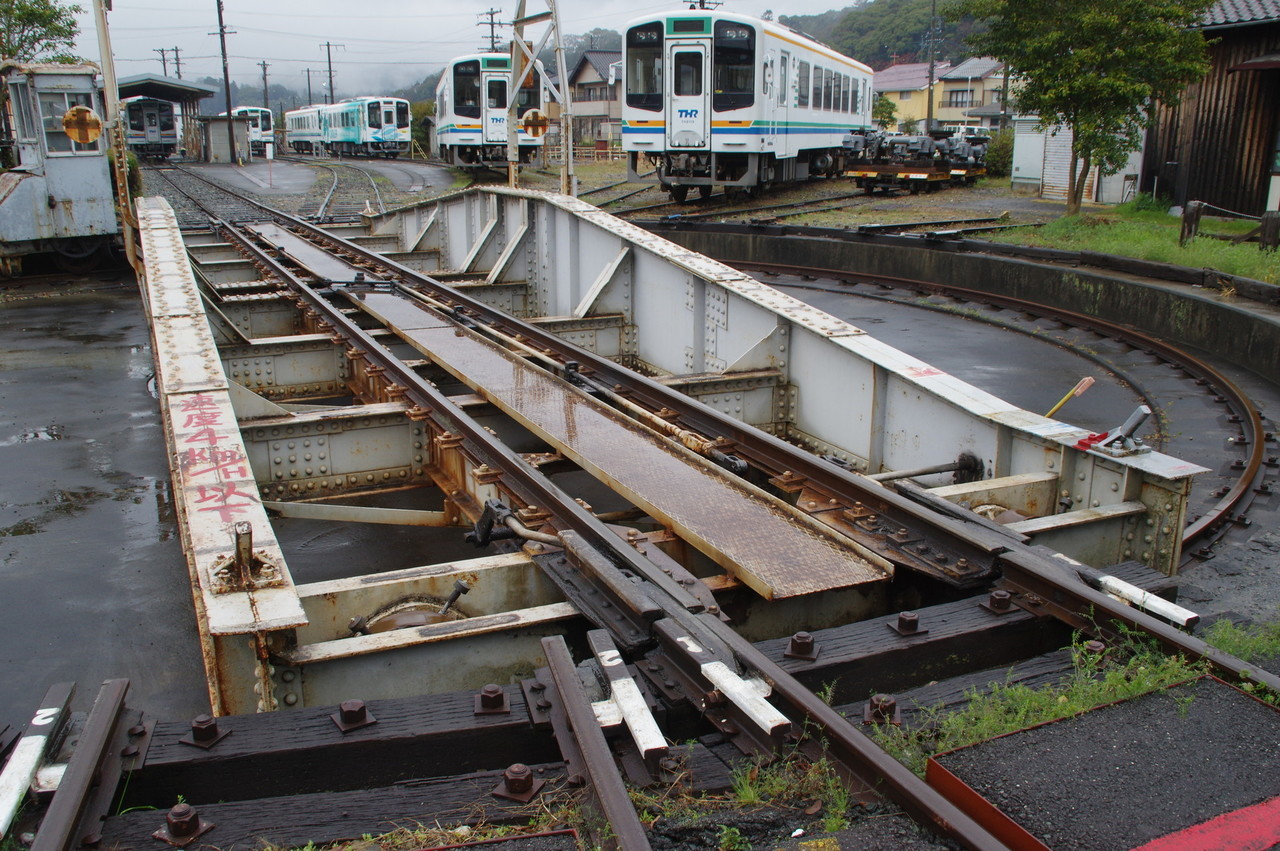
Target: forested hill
885, 32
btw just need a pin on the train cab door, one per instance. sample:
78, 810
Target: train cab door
689, 96
495, 109
151, 124
769, 101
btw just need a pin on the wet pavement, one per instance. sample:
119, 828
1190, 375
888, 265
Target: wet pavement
92, 577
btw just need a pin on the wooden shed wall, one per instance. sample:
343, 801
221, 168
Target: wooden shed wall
1221, 134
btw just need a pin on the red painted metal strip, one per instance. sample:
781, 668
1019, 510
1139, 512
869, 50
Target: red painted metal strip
980, 809
1255, 828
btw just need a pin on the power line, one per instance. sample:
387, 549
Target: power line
493, 24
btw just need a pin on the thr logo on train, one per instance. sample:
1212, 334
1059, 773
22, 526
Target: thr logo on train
687, 113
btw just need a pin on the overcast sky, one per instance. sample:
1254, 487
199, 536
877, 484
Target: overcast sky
386, 45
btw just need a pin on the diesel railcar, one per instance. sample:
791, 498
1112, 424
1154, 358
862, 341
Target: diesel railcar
367, 126
721, 99
151, 131
261, 126
471, 112
57, 196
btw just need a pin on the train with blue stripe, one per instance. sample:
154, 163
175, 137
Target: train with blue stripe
471, 112
368, 126
721, 99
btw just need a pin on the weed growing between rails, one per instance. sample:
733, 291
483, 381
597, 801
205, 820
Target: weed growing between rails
1098, 677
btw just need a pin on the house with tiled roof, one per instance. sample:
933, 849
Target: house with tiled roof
597, 108
1221, 145
907, 85
970, 93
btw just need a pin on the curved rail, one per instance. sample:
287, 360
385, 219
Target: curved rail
1213, 521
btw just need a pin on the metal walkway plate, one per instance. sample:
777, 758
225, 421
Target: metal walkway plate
766, 543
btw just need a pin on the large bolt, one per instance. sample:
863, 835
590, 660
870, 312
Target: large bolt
491, 696
908, 622
1095, 647
352, 712
183, 821
883, 707
518, 779
801, 644
1000, 600
204, 728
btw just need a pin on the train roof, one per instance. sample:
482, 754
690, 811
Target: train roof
773, 27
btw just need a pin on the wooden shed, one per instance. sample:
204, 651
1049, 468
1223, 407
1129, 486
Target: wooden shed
1221, 145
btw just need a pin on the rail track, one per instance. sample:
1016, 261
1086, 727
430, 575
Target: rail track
661, 642
1138, 359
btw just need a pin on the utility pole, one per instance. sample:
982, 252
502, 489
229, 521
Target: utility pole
493, 23
177, 63
933, 17
328, 49
226, 84
264, 66
310, 98
164, 59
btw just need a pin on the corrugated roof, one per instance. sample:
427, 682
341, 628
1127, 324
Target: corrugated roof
975, 67
1234, 13
909, 76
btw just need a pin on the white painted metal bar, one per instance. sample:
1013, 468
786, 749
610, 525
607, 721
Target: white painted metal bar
29, 752
602, 280
332, 512
747, 697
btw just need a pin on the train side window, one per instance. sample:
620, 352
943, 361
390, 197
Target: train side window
20, 97
643, 68
466, 89
844, 92
802, 84
784, 71
828, 88
688, 71
817, 87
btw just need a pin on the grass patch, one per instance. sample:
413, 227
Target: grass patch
1137, 230
1118, 673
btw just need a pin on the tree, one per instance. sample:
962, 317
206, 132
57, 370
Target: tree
32, 30
884, 111
1094, 66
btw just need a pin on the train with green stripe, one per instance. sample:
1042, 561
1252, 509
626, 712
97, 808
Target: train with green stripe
716, 99
472, 106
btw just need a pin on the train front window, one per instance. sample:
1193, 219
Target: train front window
135, 117
402, 114
688, 74
53, 106
466, 89
20, 97
733, 61
644, 67
266, 121
497, 94
527, 96
375, 115
166, 121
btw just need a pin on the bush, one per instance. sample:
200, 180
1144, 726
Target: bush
1000, 154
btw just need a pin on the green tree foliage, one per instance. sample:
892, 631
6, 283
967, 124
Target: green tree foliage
1000, 154
884, 112
887, 32
1094, 66
38, 30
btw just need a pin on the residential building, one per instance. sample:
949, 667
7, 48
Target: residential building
970, 94
596, 82
907, 85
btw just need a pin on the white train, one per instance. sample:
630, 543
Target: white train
150, 129
471, 112
719, 99
370, 126
261, 126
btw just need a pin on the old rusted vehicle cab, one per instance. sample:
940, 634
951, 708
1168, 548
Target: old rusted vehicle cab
57, 196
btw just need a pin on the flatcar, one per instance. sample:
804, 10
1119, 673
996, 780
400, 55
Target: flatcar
471, 112
721, 99
302, 130
261, 125
57, 196
150, 129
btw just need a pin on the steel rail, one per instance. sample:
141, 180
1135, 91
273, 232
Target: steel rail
1073, 594
1251, 421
